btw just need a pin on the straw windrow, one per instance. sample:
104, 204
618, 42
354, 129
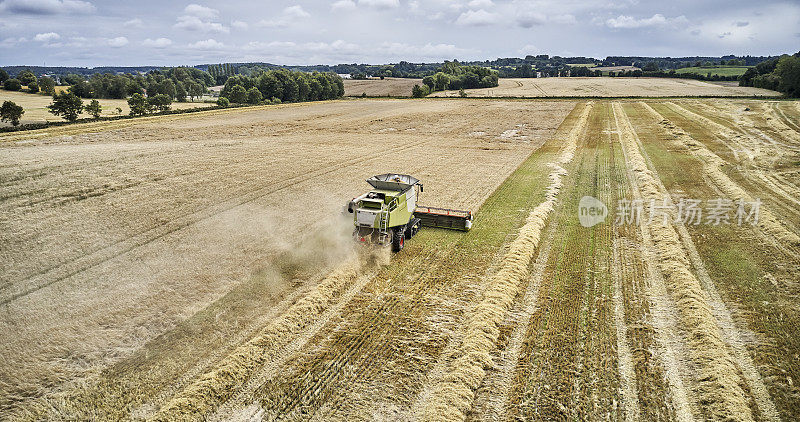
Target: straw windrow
718, 384
453, 394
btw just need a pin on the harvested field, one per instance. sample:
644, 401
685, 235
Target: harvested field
610, 87
36, 111
387, 87
195, 267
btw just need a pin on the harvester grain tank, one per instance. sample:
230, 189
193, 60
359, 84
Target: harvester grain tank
389, 214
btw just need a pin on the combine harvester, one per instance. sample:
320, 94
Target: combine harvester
389, 212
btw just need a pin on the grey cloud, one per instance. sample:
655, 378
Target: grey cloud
47, 7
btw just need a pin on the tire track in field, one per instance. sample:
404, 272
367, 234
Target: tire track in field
243, 394
718, 380
787, 195
493, 396
781, 114
64, 271
243, 335
453, 394
204, 395
730, 331
630, 395
712, 165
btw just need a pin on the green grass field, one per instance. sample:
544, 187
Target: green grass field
717, 70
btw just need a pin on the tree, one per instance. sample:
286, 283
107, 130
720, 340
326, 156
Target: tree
11, 112
94, 108
12, 85
47, 85
254, 95
26, 77
237, 94
419, 92
788, 70
33, 87
3, 75
66, 105
138, 105
82, 89
180, 92
650, 67
195, 91
223, 102
160, 102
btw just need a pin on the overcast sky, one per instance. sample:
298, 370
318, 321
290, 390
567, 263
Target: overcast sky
150, 32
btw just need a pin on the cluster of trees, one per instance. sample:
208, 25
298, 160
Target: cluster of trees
453, 75
177, 83
282, 85
11, 112
45, 85
667, 63
780, 74
140, 105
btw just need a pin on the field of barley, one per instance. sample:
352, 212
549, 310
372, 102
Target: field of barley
197, 267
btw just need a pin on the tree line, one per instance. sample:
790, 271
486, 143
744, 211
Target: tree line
780, 74
282, 85
453, 75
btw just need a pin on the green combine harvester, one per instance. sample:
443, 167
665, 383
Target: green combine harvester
389, 212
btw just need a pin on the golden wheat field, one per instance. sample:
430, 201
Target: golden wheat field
609, 87
198, 267
35, 106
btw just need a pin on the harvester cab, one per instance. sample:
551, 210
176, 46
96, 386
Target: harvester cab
389, 214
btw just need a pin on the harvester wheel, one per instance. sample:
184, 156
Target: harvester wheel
398, 239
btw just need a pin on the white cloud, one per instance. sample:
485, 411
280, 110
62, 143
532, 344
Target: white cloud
209, 44
343, 5
529, 49
157, 43
380, 4
12, 41
117, 42
477, 18
47, 7
133, 23
658, 19
295, 12
47, 37
424, 52
288, 16
240, 25
530, 19
193, 23
201, 11
480, 4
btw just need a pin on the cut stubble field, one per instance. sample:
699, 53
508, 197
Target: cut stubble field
609, 87
195, 267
